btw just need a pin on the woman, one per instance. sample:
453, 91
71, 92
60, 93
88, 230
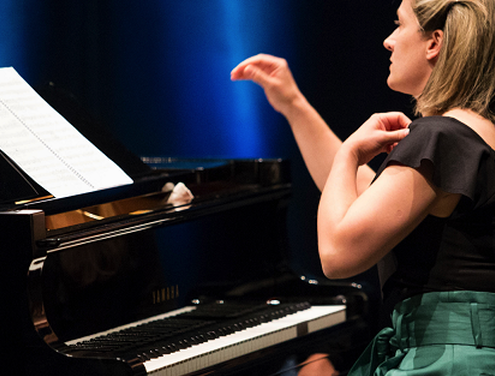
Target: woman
432, 202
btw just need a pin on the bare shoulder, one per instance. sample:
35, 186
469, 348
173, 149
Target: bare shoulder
484, 127
446, 202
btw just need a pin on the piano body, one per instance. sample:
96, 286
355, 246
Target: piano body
124, 281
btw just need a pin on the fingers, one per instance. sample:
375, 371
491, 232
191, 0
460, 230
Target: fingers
381, 133
393, 138
395, 132
252, 72
263, 62
239, 72
401, 120
394, 120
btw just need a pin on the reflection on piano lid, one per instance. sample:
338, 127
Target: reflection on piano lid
86, 273
102, 276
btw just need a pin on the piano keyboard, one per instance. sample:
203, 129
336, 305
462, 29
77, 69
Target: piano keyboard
246, 341
165, 347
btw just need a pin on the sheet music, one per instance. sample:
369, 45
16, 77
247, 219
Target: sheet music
47, 147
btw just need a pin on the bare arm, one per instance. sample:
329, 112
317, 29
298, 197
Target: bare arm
357, 223
356, 231
316, 141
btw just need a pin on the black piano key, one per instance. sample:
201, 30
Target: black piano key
169, 335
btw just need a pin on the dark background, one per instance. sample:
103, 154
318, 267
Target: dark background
157, 74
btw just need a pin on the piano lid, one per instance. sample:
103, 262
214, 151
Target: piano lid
74, 112
17, 185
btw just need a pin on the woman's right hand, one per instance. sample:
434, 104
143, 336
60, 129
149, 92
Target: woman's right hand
380, 133
274, 76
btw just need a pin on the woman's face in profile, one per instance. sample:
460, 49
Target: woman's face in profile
409, 68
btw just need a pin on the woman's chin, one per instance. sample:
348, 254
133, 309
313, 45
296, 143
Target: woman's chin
396, 86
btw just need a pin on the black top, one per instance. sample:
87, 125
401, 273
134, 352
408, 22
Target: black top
458, 252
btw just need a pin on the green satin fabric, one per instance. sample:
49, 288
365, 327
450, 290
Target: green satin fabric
438, 333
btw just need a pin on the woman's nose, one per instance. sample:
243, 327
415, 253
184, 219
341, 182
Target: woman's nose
388, 43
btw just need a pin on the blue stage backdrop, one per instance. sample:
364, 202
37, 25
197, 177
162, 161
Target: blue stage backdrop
22, 35
176, 62
157, 73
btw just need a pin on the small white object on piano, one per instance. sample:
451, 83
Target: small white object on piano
179, 194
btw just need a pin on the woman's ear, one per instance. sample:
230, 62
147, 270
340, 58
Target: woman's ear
434, 45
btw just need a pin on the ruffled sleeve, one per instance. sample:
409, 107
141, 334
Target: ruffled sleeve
461, 160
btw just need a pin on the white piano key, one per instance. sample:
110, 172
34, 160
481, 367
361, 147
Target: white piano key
133, 325
246, 341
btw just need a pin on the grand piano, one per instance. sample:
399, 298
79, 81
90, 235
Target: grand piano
184, 272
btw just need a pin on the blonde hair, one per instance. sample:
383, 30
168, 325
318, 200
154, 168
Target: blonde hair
464, 74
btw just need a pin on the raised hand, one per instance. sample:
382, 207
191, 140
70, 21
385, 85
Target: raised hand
274, 76
316, 140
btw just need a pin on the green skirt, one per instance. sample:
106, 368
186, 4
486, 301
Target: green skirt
438, 333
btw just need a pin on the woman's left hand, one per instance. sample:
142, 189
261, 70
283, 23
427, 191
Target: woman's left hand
380, 133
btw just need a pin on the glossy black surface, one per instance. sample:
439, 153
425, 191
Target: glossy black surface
78, 278
138, 275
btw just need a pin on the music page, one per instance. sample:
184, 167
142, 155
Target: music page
47, 147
